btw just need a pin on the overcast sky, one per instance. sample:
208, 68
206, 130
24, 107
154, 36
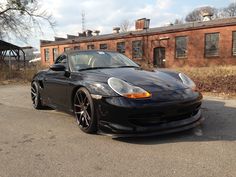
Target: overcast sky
105, 14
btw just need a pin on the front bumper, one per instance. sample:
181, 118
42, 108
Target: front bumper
168, 128
121, 117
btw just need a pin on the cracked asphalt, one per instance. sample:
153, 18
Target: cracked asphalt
48, 143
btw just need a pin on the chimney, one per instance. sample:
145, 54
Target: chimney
82, 34
97, 32
207, 16
116, 30
89, 33
142, 24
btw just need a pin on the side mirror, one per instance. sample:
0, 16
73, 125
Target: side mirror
58, 67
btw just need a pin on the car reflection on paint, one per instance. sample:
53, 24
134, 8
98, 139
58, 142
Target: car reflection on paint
109, 93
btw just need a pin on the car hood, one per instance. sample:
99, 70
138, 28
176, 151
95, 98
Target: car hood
148, 80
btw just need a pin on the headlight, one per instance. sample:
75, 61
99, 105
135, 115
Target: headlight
125, 89
187, 81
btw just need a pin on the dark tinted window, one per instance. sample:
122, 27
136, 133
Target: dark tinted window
103, 46
62, 59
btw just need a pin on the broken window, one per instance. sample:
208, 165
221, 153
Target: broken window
120, 47
137, 47
212, 45
181, 47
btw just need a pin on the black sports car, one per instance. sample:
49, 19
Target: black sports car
110, 93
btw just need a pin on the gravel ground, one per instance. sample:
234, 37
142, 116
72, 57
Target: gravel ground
49, 143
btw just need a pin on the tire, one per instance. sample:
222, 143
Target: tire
84, 111
35, 96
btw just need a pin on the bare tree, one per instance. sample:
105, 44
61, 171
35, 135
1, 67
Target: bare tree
178, 22
196, 14
193, 16
22, 17
125, 25
229, 11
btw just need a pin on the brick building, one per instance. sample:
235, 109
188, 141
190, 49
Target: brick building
194, 44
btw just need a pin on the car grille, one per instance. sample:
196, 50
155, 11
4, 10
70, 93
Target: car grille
159, 117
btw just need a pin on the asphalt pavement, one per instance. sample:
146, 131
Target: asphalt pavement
48, 143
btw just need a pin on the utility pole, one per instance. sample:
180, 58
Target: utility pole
83, 21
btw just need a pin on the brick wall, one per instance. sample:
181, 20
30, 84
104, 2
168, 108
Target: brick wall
195, 47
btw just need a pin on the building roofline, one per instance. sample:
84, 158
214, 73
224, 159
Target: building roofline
152, 31
8, 46
27, 47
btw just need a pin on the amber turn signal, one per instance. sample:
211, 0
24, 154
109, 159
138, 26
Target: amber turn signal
137, 95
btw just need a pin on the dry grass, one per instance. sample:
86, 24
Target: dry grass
216, 79
8, 75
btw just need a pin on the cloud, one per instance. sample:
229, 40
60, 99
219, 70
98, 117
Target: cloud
105, 14
164, 4
102, 15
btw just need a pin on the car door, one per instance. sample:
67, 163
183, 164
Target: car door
56, 84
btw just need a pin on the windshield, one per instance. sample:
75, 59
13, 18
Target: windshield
97, 60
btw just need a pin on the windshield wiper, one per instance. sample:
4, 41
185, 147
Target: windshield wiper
84, 69
127, 67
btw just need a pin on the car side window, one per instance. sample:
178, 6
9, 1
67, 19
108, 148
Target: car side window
62, 59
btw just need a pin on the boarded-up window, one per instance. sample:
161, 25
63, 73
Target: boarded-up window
234, 43
55, 53
103, 46
181, 47
120, 47
90, 47
137, 49
46, 54
212, 45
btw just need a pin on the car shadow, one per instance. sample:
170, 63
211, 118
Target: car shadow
219, 125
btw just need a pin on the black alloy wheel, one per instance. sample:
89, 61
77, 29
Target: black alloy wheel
35, 96
84, 111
